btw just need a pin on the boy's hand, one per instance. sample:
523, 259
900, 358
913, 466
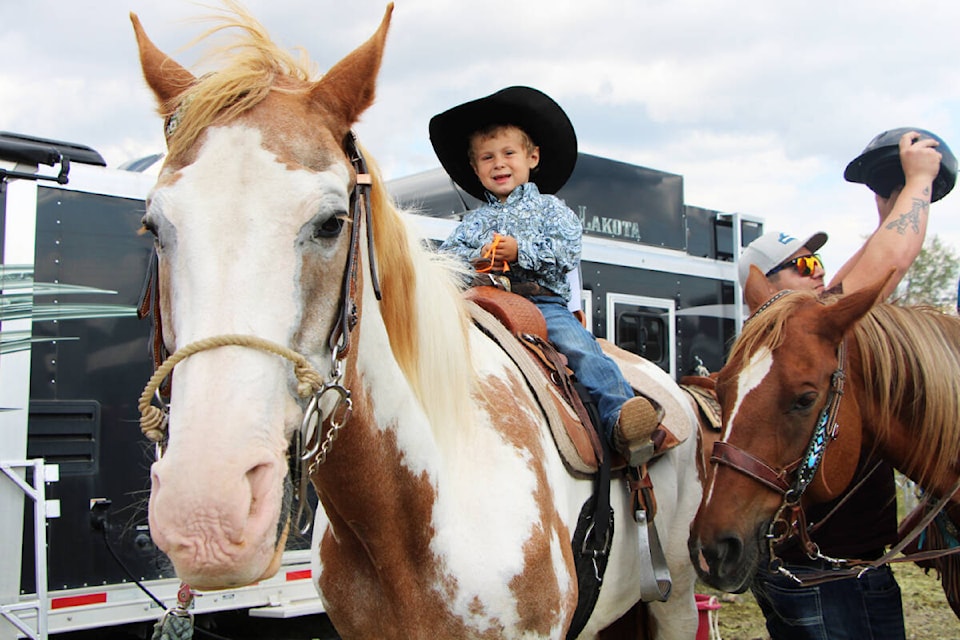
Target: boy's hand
496, 255
504, 249
885, 205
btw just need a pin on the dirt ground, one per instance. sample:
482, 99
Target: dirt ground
926, 612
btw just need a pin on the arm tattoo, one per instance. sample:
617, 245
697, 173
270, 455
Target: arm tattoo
910, 219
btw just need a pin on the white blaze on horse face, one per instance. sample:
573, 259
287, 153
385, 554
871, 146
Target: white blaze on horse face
234, 262
749, 378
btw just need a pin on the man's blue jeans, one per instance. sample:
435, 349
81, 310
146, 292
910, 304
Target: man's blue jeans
594, 369
864, 608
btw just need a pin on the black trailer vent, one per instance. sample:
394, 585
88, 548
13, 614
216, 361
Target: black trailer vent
65, 432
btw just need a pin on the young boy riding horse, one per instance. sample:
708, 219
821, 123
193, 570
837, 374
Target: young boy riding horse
512, 150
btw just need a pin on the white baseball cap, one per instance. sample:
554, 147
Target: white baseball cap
772, 248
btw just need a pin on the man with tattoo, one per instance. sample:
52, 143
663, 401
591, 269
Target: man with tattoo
907, 169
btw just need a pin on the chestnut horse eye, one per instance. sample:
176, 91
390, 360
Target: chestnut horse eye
805, 401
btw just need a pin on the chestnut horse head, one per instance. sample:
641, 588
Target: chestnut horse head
299, 305
806, 373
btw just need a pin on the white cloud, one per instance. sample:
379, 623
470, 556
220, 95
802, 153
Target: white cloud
758, 105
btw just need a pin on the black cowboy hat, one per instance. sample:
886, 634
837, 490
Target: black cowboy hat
531, 110
878, 166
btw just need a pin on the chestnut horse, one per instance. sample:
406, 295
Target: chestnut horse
807, 373
447, 511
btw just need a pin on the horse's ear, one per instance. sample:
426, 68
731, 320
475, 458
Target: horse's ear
348, 88
850, 307
167, 78
758, 289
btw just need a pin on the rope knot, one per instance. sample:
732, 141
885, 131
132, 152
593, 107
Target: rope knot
152, 423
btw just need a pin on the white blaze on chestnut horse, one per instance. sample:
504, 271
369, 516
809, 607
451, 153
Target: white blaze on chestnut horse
447, 510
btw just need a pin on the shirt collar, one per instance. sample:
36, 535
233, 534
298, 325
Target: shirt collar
527, 189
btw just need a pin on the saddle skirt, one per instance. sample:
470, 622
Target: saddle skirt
517, 325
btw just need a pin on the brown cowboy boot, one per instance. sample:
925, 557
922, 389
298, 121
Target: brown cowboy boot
639, 418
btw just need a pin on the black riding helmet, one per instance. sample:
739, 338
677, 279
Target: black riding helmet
879, 168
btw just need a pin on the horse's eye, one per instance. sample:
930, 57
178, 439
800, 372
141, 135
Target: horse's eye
804, 401
330, 228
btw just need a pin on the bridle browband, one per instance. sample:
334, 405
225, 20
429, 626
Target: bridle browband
310, 450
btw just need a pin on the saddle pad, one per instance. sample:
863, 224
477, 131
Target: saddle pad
705, 397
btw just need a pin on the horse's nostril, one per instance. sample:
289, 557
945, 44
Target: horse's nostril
730, 550
260, 480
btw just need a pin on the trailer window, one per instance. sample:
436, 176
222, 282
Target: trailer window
643, 334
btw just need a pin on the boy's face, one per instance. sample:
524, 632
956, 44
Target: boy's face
503, 160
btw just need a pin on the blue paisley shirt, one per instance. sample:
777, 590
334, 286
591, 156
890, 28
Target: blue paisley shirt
548, 236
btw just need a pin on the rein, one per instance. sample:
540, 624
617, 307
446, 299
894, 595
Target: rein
311, 451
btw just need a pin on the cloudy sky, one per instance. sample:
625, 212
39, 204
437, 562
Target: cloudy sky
759, 105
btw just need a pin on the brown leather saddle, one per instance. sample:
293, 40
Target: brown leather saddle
517, 325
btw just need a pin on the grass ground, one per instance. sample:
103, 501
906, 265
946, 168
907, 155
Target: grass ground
926, 612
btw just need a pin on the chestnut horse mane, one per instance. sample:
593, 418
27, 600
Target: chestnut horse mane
910, 362
422, 308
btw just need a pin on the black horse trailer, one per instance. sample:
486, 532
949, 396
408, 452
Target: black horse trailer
76, 557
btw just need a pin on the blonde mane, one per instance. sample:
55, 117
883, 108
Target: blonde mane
911, 367
254, 66
767, 328
910, 364
423, 311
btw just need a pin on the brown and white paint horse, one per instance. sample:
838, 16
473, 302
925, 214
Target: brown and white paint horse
447, 510
900, 396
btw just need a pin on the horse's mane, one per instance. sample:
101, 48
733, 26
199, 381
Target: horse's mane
423, 311
253, 67
910, 364
766, 329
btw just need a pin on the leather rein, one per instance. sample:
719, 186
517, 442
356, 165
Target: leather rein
309, 449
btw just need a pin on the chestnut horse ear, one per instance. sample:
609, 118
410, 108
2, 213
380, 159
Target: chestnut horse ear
167, 78
758, 289
849, 308
348, 88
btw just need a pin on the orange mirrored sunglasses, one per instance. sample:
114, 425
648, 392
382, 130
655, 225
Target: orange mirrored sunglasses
806, 265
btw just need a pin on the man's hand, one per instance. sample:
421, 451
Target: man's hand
919, 157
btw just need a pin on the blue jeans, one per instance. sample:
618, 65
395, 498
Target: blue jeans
864, 608
594, 369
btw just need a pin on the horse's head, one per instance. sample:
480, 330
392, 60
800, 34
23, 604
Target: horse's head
252, 226
779, 382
